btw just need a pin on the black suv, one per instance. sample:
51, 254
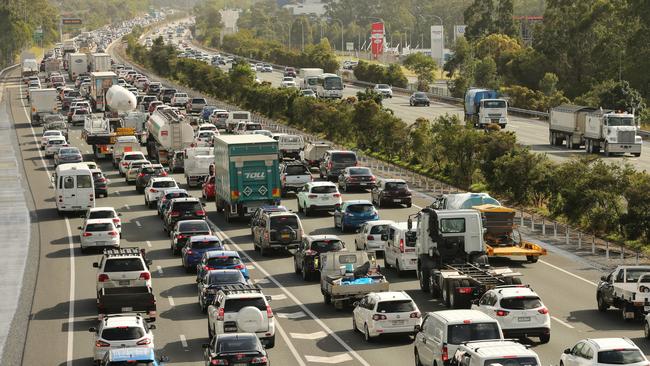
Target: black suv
391, 191
145, 174
187, 208
334, 161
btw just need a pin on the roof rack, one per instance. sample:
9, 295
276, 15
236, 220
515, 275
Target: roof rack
234, 289
123, 251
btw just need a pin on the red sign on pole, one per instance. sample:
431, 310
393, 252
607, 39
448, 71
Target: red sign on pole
377, 39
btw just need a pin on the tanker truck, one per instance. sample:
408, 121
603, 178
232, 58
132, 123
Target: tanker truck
167, 132
122, 105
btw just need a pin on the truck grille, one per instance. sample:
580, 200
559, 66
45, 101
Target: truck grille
494, 115
626, 137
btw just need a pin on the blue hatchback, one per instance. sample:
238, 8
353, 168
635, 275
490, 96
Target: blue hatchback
195, 247
352, 214
207, 111
220, 259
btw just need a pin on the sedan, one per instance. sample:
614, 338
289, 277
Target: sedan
385, 90
167, 196
155, 188
194, 248
351, 214
419, 98
213, 280
67, 155
53, 145
356, 178
235, 349
221, 259
133, 168
184, 230
49, 134
101, 183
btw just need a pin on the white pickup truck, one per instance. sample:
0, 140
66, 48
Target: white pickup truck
197, 162
627, 288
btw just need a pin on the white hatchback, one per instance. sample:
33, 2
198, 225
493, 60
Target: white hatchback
603, 351
155, 188
99, 233
53, 145
49, 134
105, 213
519, 311
386, 312
127, 158
369, 235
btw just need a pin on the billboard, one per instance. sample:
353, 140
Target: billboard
377, 39
459, 31
437, 43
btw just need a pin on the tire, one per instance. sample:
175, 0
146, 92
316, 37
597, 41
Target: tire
544, 338
454, 302
307, 211
400, 273
263, 251
424, 279
84, 250
606, 150
623, 315
636, 154
343, 228
327, 298
271, 343
532, 258
480, 259
417, 359
306, 276
378, 202
646, 330
354, 325
366, 334
295, 264
602, 305
445, 294
187, 269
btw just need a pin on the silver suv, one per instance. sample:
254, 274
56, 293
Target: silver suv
277, 230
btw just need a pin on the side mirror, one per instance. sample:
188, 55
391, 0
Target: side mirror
567, 351
80, 227
268, 298
92, 330
475, 301
95, 265
149, 261
355, 304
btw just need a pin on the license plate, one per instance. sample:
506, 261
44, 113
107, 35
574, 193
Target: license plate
397, 200
324, 198
127, 308
398, 322
239, 364
524, 319
285, 236
230, 329
124, 283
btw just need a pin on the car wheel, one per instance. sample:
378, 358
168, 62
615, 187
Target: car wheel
84, 250
646, 330
343, 228
306, 276
354, 325
295, 266
263, 251
602, 306
400, 273
327, 298
544, 338
271, 342
366, 334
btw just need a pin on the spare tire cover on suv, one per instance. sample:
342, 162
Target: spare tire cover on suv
286, 235
250, 319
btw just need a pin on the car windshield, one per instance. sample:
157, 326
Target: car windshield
512, 361
361, 208
420, 95
296, 170
123, 265
280, 222
235, 304
99, 227
185, 226
69, 151
164, 184
383, 86
187, 206
237, 344
460, 333
176, 195
360, 171
152, 171
395, 186
521, 303
206, 244
108, 214
494, 104
620, 357
378, 229
223, 261
322, 246
347, 158
395, 306
227, 277
122, 333
333, 83
323, 189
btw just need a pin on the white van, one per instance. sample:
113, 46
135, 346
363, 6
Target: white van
122, 145
235, 117
74, 188
442, 332
400, 247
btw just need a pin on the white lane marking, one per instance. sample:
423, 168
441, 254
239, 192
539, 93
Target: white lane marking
343, 357
248, 266
117, 193
563, 322
159, 269
183, 340
416, 206
318, 321
70, 346
148, 243
171, 301
137, 223
127, 207
569, 273
261, 281
309, 336
289, 344
278, 297
296, 315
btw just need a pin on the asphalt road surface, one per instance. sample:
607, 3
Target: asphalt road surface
309, 331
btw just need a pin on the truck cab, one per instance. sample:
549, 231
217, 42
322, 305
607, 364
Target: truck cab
614, 132
484, 107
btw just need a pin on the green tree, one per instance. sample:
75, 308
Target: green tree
478, 18
612, 94
423, 66
504, 18
461, 53
548, 85
485, 74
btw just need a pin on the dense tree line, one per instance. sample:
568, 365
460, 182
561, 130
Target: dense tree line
604, 198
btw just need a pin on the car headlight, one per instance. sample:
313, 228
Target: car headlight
638, 139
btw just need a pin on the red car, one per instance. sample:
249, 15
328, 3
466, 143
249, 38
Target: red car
207, 190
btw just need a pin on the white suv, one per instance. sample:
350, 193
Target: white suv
127, 158
242, 309
99, 233
105, 213
122, 268
155, 188
519, 311
603, 351
499, 352
120, 331
386, 312
318, 196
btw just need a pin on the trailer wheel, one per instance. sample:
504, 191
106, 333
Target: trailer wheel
646, 330
327, 298
445, 292
452, 295
424, 278
602, 305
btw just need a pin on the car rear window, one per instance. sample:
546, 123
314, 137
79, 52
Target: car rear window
152, 171
346, 158
122, 333
187, 206
360, 171
364, 208
227, 277
123, 265
164, 184
193, 226
521, 303
176, 195
101, 214
133, 157
323, 246
460, 333
236, 304
323, 189
393, 186
207, 244
395, 306
99, 227
512, 361
84, 181
620, 357
297, 170
218, 262
238, 344
378, 229
198, 101
279, 222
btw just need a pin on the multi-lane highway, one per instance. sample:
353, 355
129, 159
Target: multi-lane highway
309, 331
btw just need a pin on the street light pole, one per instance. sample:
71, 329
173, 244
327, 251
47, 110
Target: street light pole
340, 21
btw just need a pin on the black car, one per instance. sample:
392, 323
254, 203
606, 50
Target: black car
210, 282
166, 95
235, 349
153, 88
356, 178
145, 174
419, 98
101, 183
391, 191
184, 230
180, 209
305, 259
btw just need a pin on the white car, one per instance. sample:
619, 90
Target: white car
122, 267
105, 213
79, 115
390, 312
127, 157
207, 127
288, 82
179, 100
99, 233
205, 138
603, 351
369, 235
154, 189
266, 133
49, 134
53, 145
120, 331
133, 168
400, 247
318, 196
385, 90
519, 311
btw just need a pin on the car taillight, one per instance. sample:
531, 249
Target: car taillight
329, 165
199, 213
310, 252
174, 214
87, 234
102, 344
112, 233
163, 174
401, 245
145, 276
220, 314
502, 312
259, 360
101, 180
445, 353
181, 236
465, 290
370, 237
379, 317
141, 175
189, 251
269, 312
218, 362
144, 342
153, 190
102, 277
543, 311
415, 315
124, 163
116, 221
336, 195
239, 266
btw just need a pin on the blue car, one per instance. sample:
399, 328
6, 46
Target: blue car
220, 259
194, 248
169, 194
352, 214
207, 111
132, 356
